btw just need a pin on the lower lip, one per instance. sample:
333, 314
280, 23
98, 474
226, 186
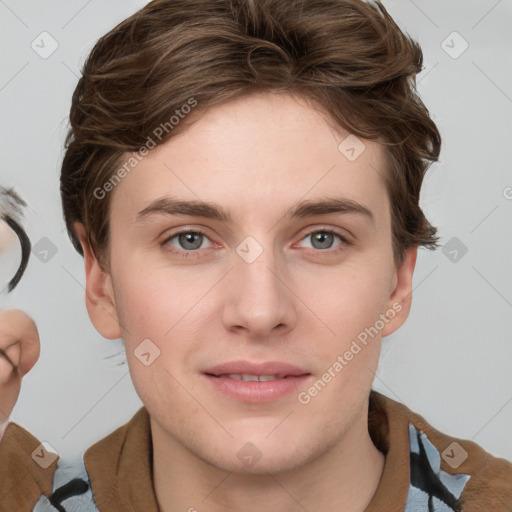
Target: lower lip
256, 391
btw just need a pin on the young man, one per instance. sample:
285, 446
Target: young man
243, 179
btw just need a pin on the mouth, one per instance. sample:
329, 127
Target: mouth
272, 369
247, 377
256, 382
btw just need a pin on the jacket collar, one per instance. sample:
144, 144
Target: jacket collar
120, 465
120, 468
22, 478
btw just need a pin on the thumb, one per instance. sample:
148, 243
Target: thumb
19, 340
19, 351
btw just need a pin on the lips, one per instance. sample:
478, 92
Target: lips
250, 382
275, 369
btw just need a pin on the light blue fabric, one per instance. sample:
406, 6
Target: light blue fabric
418, 499
64, 473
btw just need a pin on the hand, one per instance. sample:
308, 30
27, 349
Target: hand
19, 352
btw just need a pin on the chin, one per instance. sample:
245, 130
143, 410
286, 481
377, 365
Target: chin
263, 466
259, 455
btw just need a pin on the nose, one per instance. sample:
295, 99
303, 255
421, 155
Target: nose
258, 297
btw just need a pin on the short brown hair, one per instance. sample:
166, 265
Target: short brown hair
348, 56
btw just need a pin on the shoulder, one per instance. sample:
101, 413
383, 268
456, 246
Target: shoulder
458, 471
26, 469
33, 478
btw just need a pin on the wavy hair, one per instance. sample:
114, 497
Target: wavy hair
348, 56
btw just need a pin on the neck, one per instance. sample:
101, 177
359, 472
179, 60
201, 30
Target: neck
343, 479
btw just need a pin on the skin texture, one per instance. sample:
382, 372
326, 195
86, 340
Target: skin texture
255, 156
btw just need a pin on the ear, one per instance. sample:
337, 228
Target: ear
399, 302
99, 296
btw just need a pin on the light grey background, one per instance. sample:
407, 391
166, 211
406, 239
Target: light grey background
451, 361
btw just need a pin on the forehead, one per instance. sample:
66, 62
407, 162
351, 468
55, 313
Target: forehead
257, 155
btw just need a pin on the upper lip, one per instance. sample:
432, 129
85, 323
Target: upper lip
278, 368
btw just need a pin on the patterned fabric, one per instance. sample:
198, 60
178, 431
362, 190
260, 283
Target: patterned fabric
71, 490
430, 489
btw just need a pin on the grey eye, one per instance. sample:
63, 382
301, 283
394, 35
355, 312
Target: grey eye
323, 239
191, 240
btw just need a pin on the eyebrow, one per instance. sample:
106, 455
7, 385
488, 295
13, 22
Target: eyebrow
303, 209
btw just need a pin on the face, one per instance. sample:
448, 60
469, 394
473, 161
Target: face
277, 287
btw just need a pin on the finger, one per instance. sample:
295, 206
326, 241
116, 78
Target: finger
17, 328
4, 354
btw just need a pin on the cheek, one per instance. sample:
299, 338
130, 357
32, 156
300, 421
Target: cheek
150, 298
348, 299
157, 310
147, 309
349, 342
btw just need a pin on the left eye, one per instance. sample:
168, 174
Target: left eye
189, 240
323, 238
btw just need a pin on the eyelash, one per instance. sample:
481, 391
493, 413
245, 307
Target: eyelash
193, 253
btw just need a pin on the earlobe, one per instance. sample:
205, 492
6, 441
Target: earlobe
99, 296
399, 302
